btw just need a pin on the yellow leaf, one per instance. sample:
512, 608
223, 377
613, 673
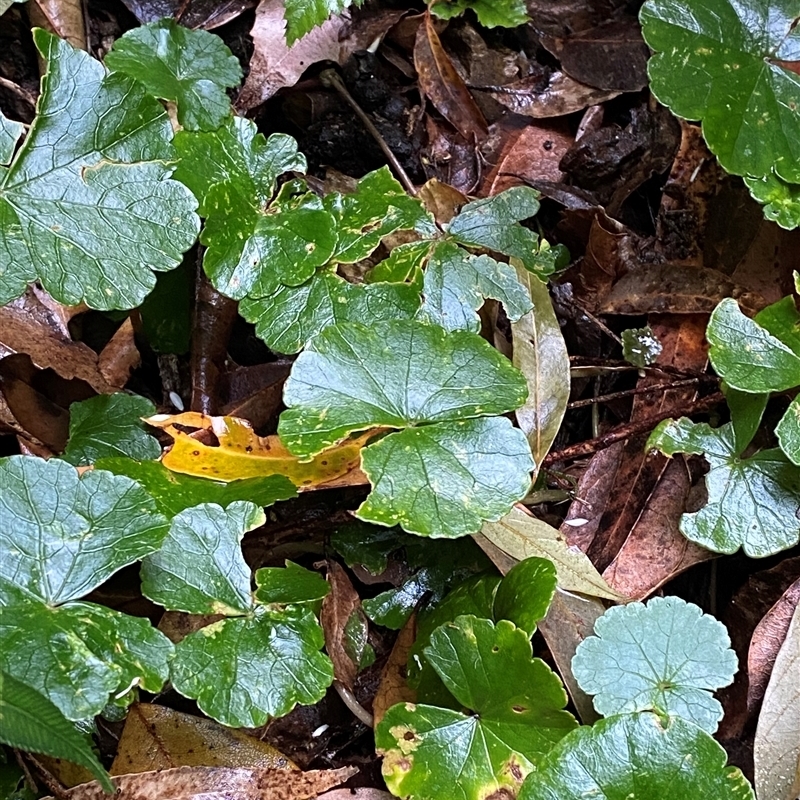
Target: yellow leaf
240, 453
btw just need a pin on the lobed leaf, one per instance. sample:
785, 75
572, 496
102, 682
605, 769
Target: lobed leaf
490, 13
666, 656
289, 584
87, 206
191, 68
636, 755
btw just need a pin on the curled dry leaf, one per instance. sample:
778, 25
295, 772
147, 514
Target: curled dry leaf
216, 783
120, 356
777, 743
767, 639
341, 613
157, 738
560, 96
48, 347
240, 453
443, 86
275, 66
394, 687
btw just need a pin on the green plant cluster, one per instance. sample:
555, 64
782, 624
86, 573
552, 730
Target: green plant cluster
99, 198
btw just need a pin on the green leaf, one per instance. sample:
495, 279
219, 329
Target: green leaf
490, 13
393, 374
446, 479
636, 756
369, 546
752, 503
666, 656
525, 593
174, 492
29, 721
200, 568
541, 355
292, 584
782, 320
746, 413
304, 15
719, 62
110, 425
233, 173
518, 701
88, 207
445, 472
492, 223
62, 534
456, 284
404, 263
244, 671
781, 200
523, 536
81, 655
378, 207
10, 131
293, 315
640, 347
747, 356
191, 68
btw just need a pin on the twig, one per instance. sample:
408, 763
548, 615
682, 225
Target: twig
329, 77
349, 699
606, 398
628, 430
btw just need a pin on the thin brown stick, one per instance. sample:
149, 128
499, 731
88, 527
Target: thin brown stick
606, 398
628, 430
330, 77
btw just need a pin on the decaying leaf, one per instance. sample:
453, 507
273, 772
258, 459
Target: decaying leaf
394, 687
777, 744
240, 453
216, 783
159, 738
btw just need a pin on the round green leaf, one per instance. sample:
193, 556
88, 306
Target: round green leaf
244, 671
87, 206
666, 656
636, 757
80, 654
457, 283
191, 68
518, 701
29, 721
62, 534
200, 568
446, 479
525, 593
174, 492
719, 62
746, 355
287, 319
752, 502
110, 425
392, 374
289, 584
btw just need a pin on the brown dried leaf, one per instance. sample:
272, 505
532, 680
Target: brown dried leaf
611, 56
216, 783
443, 86
529, 153
275, 66
206, 14
49, 347
674, 289
655, 551
393, 687
768, 637
157, 738
64, 18
441, 199
338, 608
570, 619
120, 356
561, 95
